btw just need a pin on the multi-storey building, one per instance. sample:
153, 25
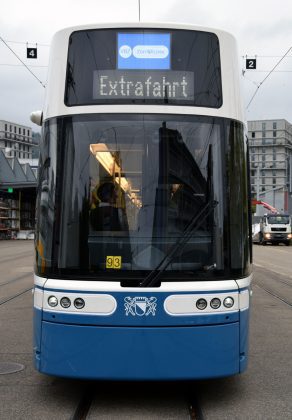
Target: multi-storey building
16, 140
17, 181
271, 162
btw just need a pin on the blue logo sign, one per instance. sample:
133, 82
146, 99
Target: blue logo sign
143, 51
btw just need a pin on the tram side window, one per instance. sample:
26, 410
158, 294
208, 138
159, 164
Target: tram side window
46, 199
238, 199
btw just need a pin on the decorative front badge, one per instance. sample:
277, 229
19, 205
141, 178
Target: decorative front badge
140, 306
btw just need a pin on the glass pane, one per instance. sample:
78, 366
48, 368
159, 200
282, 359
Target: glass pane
103, 68
131, 187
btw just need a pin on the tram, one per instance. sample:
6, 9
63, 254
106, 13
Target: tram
143, 243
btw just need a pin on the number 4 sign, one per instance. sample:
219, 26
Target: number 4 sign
31, 53
251, 63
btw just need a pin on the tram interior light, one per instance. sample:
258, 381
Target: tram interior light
104, 156
107, 160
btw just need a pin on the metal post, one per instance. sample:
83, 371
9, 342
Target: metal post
19, 207
258, 189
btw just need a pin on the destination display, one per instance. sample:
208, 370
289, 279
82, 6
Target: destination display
110, 84
143, 66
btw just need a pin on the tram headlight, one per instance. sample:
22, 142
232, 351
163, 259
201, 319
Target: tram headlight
201, 304
79, 303
65, 302
228, 302
52, 301
215, 303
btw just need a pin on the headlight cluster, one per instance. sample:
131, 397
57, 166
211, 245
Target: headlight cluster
65, 302
215, 303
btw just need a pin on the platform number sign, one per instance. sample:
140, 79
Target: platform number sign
251, 63
31, 53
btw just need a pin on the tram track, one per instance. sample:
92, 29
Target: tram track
15, 279
195, 410
272, 293
9, 298
273, 283
16, 256
84, 405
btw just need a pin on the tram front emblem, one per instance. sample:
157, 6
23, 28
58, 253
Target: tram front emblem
140, 306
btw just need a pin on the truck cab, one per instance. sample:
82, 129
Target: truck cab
275, 229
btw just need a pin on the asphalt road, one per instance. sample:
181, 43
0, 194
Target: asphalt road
263, 392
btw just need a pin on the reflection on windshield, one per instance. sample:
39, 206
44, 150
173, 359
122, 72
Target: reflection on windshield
146, 185
126, 188
284, 220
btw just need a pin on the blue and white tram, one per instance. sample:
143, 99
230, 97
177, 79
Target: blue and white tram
143, 262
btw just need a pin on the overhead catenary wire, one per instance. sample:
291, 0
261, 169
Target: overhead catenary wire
13, 52
27, 43
20, 65
260, 84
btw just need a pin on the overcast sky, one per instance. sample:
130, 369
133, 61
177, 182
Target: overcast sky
261, 27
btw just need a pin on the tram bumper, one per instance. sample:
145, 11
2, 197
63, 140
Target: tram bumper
139, 353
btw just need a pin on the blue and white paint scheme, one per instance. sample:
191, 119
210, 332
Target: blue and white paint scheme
153, 330
143, 262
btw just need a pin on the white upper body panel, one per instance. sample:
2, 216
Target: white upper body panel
54, 100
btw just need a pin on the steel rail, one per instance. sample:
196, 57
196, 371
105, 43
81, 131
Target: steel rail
195, 410
8, 299
275, 295
21, 277
84, 404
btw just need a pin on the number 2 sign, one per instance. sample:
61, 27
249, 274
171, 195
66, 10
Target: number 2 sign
251, 63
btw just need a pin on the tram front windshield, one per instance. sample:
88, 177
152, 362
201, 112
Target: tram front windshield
117, 193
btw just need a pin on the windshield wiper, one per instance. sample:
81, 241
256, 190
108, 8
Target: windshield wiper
196, 222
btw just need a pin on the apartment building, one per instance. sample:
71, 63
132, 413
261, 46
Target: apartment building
16, 140
271, 162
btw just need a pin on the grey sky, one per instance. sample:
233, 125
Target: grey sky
262, 28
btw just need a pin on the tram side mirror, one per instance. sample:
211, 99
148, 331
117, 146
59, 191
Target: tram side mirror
36, 117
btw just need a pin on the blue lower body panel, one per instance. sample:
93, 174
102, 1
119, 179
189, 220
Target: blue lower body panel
145, 353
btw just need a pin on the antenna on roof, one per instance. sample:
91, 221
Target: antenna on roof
139, 9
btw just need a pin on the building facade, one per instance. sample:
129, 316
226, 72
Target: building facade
18, 172
16, 140
270, 144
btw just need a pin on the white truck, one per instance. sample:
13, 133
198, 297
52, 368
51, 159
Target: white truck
275, 229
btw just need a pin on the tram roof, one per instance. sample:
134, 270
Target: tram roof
162, 25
